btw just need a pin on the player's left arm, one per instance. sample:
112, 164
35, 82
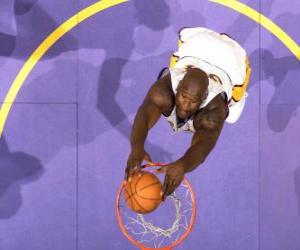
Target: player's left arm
208, 124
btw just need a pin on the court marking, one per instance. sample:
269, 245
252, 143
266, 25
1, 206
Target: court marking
105, 4
30, 63
264, 22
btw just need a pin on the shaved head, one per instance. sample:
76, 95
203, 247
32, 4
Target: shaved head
191, 91
195, 78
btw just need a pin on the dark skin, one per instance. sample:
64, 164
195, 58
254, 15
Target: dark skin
160, 100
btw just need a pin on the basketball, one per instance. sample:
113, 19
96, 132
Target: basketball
143, 193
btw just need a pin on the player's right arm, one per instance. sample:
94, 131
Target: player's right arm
157, 101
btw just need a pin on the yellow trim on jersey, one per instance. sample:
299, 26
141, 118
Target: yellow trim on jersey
239, 91
173, 61
174, 58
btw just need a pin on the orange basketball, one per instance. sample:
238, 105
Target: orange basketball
143, 193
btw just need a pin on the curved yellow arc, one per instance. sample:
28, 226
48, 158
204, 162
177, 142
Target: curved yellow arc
104, 4
44, 47
263, 21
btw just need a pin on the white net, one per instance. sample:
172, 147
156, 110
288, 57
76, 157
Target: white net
165, 225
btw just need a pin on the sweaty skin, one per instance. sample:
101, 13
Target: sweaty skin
160, 100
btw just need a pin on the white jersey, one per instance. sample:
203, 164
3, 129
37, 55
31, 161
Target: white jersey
222, 58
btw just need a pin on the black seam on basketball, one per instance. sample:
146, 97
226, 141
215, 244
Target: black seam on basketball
131, 189
146, 198
135, 191
128, 197
136, 202
127, 194
138, 180
132, 195
132, 198
149, 185
125, 191
155, 183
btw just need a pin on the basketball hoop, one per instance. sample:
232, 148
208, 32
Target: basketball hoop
167, 226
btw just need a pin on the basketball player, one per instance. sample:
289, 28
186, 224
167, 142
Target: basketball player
204, 86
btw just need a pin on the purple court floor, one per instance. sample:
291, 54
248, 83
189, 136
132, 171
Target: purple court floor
66, 139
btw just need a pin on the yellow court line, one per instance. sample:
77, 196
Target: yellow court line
263, 21
44, 47
104, 4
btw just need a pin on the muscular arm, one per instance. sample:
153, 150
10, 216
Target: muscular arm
208, 124
157, 101
147, 115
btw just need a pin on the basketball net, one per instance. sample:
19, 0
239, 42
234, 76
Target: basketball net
164, 228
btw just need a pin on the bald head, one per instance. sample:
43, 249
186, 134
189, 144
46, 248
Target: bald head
191, 92
196, 78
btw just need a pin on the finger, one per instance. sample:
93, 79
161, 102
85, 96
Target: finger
165, 187
170, 189
147, 158
126, 174
164, 196
129, 176
136, 164
176, 184
137, 168
131, 172
166, 183
173, 185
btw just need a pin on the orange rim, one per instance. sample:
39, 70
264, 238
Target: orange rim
177, 242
